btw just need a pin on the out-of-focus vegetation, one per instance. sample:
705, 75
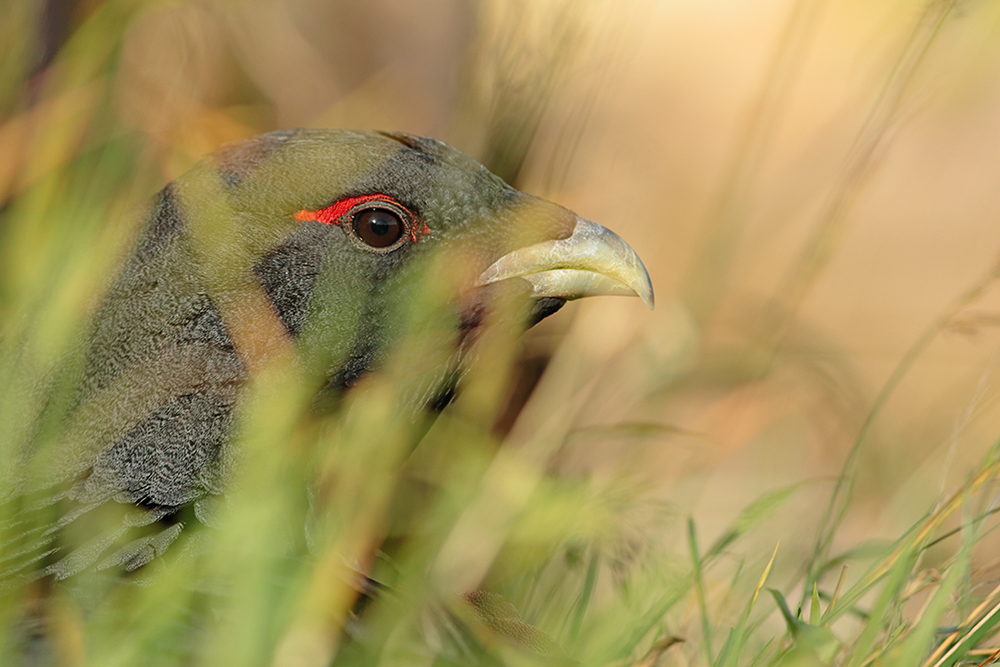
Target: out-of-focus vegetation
793, 460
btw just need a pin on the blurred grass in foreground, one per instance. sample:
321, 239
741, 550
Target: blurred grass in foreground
593, 560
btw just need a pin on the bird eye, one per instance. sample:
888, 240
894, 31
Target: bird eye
378, 227
378, 221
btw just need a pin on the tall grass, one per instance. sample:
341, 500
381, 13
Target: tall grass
593, 564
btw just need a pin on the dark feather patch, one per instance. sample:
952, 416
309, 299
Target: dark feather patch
288, 273
544, 307
237, 161
165, 223
169, 459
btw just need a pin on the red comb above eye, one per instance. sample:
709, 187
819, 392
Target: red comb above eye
335, 212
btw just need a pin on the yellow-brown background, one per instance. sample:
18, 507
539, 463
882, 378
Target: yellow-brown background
662, 120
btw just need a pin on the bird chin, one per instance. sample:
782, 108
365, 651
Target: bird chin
510, 303
543, 307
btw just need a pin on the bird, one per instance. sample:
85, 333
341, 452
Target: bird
318, 246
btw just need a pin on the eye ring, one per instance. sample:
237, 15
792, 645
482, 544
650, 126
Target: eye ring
378, 225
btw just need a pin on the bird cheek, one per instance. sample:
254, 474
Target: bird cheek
453, 268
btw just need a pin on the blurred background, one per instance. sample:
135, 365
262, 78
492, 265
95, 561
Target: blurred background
814, 186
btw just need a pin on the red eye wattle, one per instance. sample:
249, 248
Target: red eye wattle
378, 221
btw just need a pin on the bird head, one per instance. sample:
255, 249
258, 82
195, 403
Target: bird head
355, 237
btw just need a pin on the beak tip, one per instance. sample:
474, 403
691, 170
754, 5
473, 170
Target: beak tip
642, 285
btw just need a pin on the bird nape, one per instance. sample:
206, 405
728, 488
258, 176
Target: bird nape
322, 257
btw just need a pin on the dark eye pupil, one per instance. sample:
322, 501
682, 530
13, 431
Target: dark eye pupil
379, 228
